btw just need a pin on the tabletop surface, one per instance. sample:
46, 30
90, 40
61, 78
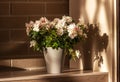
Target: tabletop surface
38, 74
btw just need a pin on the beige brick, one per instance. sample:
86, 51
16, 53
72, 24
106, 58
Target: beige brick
57, 8
29, 63
57, 0
13, 50
19, 35
29, 81
5, 62
12, 22
4, 8
12, 0
5, 35
27, 9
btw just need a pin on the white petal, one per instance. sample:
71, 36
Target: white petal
77, 52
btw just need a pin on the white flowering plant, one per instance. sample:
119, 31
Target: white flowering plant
59, 33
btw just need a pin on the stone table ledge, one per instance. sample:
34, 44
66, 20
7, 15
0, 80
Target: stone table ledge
38, 74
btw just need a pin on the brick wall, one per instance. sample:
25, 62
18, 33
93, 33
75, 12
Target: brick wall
13, 15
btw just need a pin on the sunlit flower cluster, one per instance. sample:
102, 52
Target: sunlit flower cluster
63, 33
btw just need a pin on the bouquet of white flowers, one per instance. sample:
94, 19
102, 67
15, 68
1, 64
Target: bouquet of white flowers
59, 33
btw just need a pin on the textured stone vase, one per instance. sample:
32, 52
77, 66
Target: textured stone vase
54, 59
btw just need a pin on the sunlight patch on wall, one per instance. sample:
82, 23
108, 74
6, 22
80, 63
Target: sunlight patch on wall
104, 66
90, 9
102, 18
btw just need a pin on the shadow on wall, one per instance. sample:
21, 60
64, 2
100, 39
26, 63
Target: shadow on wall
93, 46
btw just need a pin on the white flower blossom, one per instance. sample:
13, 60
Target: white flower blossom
78, 54
60, 31
72, 30
43, 21
32, 43
36, 26
56, 20
68, 19
60, 24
